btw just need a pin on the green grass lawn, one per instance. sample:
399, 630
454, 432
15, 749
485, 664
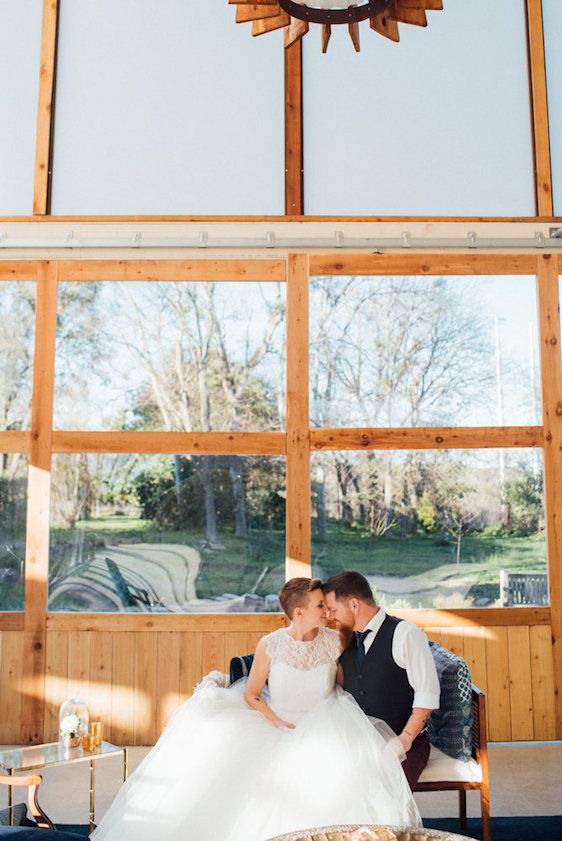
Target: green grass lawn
257, 564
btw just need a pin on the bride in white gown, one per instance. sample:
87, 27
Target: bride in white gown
249, 762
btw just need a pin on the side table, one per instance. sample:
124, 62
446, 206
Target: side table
50, 755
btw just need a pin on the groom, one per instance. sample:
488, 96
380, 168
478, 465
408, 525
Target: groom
387, 666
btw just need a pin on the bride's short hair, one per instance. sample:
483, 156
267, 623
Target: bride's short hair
294, 593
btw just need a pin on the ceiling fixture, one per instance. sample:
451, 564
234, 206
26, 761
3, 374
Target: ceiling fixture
295, 16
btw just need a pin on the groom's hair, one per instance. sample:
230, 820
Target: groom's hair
349, 585
294, 593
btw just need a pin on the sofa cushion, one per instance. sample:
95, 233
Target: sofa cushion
450, 727
240, 667
441, 768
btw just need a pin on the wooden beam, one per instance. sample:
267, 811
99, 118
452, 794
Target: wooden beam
11, 621
294, 183
426, 438
18, 269
264, 622
184, 622
539, 108
37, 533
243, 443
14, 442
298, 451
176, 270
45, 108
422, 264
551, 376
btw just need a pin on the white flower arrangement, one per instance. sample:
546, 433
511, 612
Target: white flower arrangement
69, 725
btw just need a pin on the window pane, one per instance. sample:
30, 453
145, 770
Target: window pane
183, 109
13, 501
424, 351
20, 55
167, 534
172, 356
436, 124
552, 21
434, 529
17, 331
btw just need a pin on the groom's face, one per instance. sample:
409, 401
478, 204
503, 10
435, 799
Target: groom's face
341, 610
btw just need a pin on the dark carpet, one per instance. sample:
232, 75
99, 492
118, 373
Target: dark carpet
546, 828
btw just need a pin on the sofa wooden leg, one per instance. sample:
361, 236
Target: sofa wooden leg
462, 808
485, 807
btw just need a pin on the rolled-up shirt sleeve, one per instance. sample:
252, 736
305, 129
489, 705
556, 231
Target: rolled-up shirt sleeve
411, 651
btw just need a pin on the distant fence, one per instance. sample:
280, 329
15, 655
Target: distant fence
518, 588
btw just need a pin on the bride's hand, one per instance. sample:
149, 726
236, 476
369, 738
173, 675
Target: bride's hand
279, 722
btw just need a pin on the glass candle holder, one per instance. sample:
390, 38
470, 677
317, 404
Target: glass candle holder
96, 729
88, 742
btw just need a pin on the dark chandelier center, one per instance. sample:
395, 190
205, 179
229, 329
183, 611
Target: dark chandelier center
353, 14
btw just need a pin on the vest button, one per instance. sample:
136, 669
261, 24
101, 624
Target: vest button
361, 691
360, 677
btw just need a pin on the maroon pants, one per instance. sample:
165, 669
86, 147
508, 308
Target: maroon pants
416, 759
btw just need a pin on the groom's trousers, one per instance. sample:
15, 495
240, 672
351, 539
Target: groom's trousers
416, 759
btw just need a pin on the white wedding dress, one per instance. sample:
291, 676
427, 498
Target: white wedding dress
221, 772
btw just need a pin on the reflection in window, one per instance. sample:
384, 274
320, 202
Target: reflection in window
552, 21
433, 529
13, 496
167, 534
17, 330
438, 124
20, 58
419, 351
173, 356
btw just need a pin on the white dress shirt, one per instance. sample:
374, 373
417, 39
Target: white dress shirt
410, 651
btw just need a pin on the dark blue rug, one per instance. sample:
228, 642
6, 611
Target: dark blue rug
546, 828
503, 829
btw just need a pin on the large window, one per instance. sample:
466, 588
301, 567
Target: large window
433, 529
167, 534
17, 330
424, 351
171, 356
13, 492
166, 108
438, 124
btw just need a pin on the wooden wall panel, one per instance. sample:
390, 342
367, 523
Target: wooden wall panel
520, 691
56, 682
542, 681
11, 658
134, 681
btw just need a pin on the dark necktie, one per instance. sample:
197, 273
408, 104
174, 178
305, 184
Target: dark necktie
360, 652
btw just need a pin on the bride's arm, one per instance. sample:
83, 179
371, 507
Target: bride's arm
256, 682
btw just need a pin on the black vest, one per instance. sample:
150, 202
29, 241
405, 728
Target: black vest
381, 688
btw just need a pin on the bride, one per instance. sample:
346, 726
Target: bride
284, 750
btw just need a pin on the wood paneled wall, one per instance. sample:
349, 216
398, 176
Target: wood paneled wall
135, 681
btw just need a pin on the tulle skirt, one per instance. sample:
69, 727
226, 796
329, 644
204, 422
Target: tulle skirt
221, 772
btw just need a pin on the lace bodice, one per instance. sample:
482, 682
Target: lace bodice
301, 673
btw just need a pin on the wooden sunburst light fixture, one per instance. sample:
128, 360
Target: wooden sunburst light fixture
295, 16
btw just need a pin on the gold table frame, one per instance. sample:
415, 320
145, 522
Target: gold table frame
35, 757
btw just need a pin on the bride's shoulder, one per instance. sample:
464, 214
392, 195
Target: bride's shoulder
272, 641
